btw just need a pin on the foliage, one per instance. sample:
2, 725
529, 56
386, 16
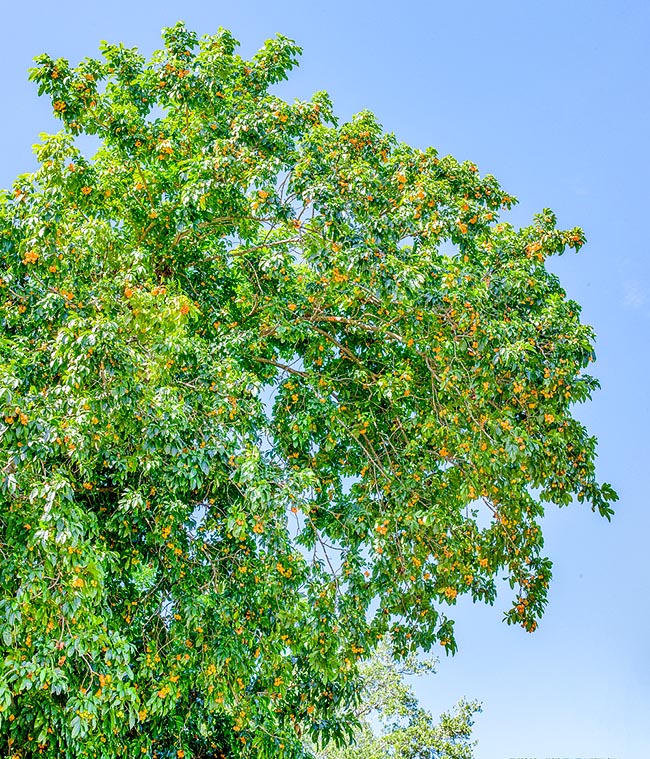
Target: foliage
393, 724
272, 388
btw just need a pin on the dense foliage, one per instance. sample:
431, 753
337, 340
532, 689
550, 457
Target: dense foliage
272, 388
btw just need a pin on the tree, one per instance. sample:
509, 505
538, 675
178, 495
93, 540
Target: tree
393, 724
273, 388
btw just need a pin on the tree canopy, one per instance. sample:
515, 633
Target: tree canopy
273, 388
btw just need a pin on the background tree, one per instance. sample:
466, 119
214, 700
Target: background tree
392, 722
273, 388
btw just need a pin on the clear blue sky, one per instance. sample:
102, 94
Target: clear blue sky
553, 99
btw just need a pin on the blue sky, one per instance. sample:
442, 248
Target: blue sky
553, 99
